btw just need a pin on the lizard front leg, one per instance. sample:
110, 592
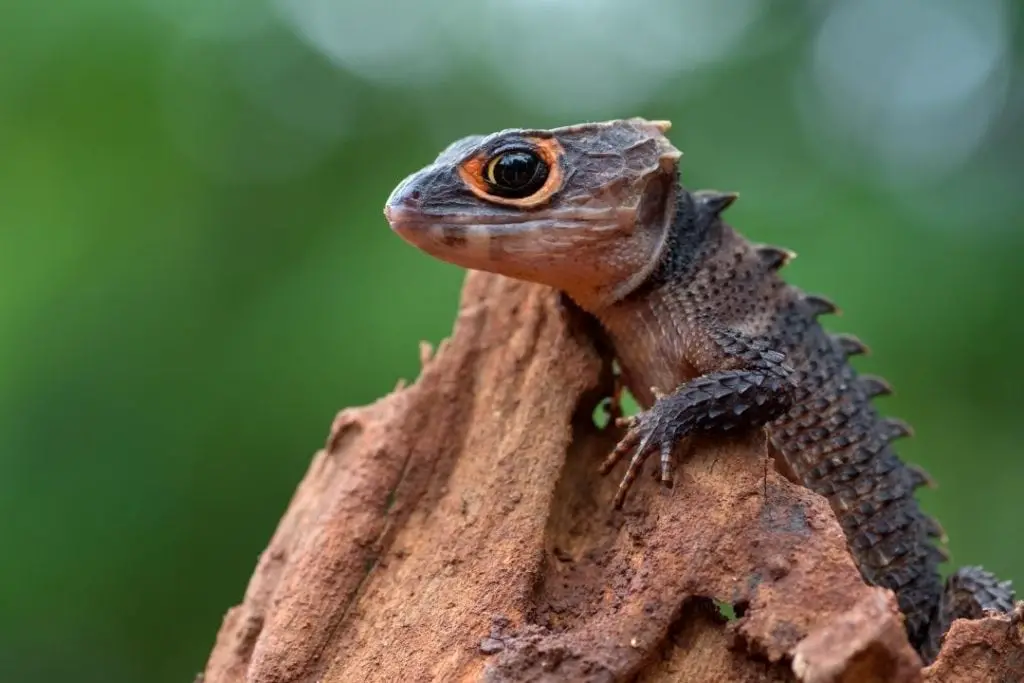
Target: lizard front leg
722, 401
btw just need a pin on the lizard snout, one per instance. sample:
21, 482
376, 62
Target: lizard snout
404, 198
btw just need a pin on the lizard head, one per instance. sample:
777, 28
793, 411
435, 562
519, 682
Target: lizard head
584, 208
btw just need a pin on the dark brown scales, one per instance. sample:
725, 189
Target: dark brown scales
836, 443
827, 433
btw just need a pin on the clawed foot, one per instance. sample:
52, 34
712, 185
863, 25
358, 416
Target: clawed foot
723, 401
648, 431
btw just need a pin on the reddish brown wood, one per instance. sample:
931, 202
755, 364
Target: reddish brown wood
457, 530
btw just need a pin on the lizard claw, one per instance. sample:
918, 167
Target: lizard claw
624, 446
648, 431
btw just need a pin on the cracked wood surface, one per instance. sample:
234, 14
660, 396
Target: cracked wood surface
457, 530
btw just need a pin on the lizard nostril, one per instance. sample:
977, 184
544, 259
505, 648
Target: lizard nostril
408, 200
407, 196
404, 204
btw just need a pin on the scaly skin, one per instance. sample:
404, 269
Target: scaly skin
708, 336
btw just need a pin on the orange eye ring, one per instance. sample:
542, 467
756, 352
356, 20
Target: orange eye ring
525, 174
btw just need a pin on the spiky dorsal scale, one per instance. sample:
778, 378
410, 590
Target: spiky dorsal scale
820, 305
774, 257
874, 385
935, 530
894, 428
920, 477
851, 345
714, 202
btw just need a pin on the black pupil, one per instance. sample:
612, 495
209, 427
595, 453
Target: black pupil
516, 170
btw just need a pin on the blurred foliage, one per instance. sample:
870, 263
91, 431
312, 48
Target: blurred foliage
196, 273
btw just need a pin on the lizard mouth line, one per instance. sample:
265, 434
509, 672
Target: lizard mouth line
402, 220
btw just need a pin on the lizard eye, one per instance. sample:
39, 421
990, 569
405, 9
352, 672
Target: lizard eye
515, 173
524, 172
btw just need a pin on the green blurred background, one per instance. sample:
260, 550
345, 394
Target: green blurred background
196, 273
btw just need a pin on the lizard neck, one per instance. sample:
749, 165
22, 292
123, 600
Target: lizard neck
649, 328
649, 335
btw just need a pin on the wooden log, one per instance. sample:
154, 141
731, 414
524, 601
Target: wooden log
458, 530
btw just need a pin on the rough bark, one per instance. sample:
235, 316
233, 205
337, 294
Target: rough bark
457, 530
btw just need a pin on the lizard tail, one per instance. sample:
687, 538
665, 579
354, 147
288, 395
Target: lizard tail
970, 593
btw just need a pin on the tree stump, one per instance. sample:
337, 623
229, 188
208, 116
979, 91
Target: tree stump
458, 530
